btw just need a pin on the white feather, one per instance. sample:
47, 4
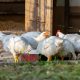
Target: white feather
48, 47
73, 38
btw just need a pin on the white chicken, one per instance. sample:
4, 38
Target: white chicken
49, 47
68, 48
73, 38
35, 37
19, 45
31, 34
5, 39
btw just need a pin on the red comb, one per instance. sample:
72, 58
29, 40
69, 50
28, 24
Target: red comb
58, 30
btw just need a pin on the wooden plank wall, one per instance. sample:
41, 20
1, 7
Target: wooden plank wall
38, 15
11, 0
12, 15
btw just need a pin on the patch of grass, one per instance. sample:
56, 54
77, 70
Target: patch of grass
57, 70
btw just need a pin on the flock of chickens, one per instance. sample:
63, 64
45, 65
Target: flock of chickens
41, 43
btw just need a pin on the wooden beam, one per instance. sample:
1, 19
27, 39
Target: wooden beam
31, 14
38, 15
42, 14
48, 21
66, 16
54, 16
27, 15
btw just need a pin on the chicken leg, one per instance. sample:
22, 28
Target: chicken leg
16, 58
49, 58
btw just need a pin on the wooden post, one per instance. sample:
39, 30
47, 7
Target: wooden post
53, 18
42, 14
31, 15
27, 15
48, 23
66, 16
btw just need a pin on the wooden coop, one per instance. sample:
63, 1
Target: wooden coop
26, 15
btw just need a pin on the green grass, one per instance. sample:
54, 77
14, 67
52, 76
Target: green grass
41, 71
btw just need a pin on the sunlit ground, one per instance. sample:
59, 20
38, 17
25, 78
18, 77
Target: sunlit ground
56, 70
